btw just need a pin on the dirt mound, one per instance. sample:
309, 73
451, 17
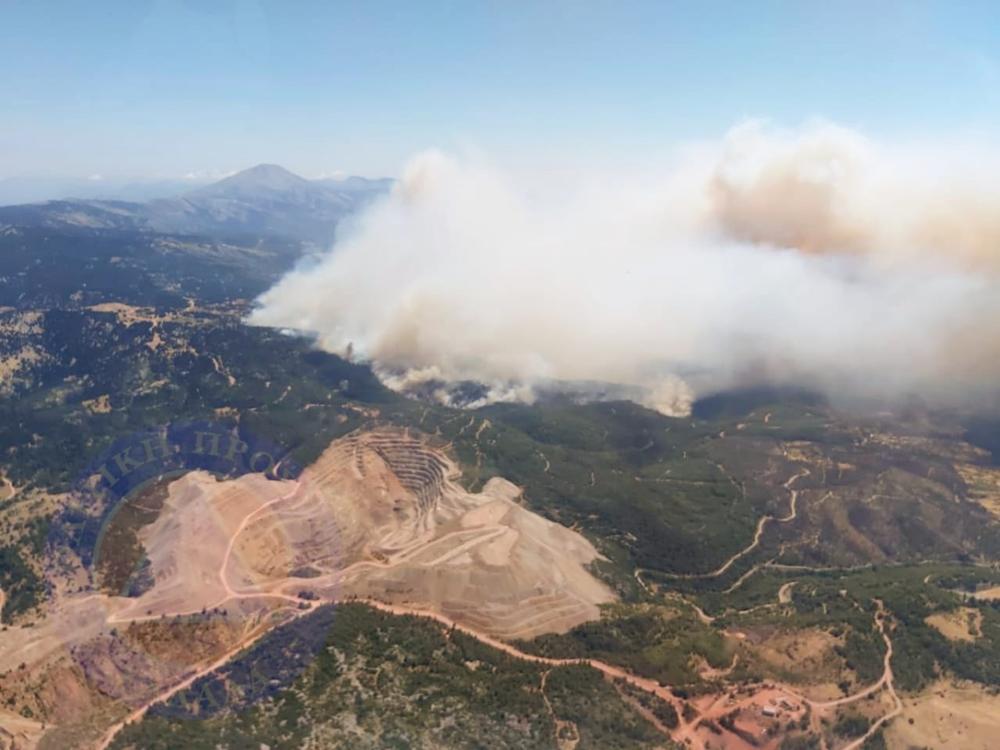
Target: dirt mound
408, 533
379, 515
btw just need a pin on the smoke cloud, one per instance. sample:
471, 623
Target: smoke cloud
814, 256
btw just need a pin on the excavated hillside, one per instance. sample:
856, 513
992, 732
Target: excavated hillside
381, 515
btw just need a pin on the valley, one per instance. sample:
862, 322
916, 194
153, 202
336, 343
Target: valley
773, 571
499, 376
379, 520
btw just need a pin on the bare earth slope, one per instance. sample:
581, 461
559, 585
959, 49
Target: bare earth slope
379, 515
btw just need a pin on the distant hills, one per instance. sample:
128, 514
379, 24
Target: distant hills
265, 200
36, 189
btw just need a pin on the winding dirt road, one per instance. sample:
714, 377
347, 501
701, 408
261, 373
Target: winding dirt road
886, 682
685, 728
685, 732
793, 512
186, 682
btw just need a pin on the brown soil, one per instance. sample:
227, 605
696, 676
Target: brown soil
947, 715
801, 652
963, 624
99, 405
983, 484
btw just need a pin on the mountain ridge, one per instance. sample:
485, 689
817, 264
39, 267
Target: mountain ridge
262, 176
265, 199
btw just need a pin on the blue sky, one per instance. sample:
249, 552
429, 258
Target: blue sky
165, 87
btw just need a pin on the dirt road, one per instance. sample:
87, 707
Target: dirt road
685, 732
793, 511
645, 684
169, 692
886, 681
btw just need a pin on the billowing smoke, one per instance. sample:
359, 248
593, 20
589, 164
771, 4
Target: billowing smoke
828, 190
815, 256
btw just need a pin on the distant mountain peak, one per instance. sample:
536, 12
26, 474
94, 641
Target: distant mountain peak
265, 200
267, 171
260, 177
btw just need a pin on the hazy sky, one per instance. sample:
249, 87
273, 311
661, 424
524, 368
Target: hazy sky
164, 87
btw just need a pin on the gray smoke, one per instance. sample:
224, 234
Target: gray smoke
814, 256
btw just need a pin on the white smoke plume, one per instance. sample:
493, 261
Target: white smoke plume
815, 256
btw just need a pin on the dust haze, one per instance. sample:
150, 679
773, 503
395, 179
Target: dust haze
813, 256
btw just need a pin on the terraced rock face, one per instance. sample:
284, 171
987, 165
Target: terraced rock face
380, 515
